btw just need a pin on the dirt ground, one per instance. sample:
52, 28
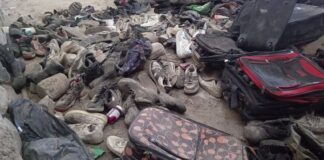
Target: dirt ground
201, 107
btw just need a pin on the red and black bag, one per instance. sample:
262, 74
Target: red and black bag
160, 135
273, 85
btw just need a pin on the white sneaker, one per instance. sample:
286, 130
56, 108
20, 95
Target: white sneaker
183, 41
88, 133
116, 145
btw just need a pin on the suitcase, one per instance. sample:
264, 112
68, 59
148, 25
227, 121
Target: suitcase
256, 100
258, 28
160, 135
305, 24
285, 76
213, 49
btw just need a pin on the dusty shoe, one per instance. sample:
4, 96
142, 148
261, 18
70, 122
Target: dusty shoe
52, 67
106, 97
142, 95
80, 116
172, 103
191, 85
312, 122
88, 133
212, 87
131, 115
158, 50
131, 110
92, 69
99, 100
109, 65
256, 131
116, 145
71, 47
157, 74
170, 72
72, 94
38, 47
183, 41
181, 77
28, 54
54, 51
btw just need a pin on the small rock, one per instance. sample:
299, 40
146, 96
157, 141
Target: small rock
7, 94
54, 86
33, 68
49, 103
10, 140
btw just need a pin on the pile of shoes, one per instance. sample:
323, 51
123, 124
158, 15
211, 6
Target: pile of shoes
87, 69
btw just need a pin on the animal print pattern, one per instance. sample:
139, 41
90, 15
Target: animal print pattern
168, 136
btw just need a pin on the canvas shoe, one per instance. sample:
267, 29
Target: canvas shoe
116, 145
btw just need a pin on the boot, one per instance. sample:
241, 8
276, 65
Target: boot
172, 103
14, 67
142, 95
146, 96
52, 67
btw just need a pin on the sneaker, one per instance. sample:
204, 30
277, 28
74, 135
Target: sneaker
107, 97
312, 122
181, 78
183, 43
88, 133
169, 69
91, 67
191, 85
80, 116
116, 145
72, 94
212, 87
54, 51
157, 74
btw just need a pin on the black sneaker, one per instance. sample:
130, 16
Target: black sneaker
107, 97
92, 69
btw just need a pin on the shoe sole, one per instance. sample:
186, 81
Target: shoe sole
101, 117
94, 110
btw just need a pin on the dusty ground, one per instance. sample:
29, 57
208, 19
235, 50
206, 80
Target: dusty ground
201, 107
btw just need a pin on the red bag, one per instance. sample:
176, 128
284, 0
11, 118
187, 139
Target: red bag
286, 77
